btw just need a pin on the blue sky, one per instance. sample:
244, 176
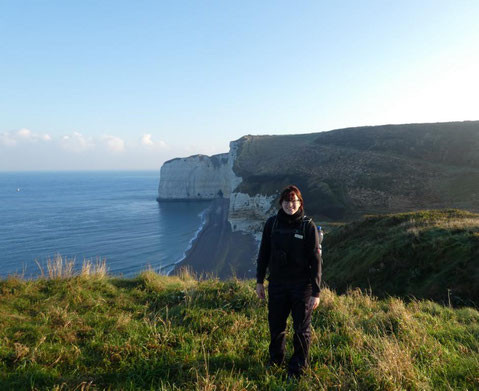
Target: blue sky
130, 84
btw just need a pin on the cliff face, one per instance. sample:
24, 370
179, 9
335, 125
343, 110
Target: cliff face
248, 213
202, 177
343, 174
197, 177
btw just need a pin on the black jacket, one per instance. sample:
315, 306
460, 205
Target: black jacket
290, 251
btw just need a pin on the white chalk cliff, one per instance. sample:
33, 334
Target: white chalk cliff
248, 213
201, 177
197, 177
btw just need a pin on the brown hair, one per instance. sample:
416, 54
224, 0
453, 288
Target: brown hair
288, 194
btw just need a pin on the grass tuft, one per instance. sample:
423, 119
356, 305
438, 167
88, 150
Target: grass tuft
62, 267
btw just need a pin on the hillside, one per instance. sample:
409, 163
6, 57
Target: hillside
94, 332
346, 173
427, 254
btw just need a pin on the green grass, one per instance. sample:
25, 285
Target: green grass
432, 254
95, 332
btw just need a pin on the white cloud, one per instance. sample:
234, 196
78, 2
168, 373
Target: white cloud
25, 133
26, 149
114, 144
17, 137
147, 141
76, 142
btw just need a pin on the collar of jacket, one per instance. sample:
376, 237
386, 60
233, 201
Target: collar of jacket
290, 219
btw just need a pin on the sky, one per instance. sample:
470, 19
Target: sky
113, 84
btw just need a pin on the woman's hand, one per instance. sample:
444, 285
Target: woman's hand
313, 302
260, 291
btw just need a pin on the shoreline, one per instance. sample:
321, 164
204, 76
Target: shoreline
203, 217
219, 251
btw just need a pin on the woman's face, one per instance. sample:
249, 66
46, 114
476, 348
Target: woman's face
291, 207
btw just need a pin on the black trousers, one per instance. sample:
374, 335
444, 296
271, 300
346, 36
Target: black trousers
285, 299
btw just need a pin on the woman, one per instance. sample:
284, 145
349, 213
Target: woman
290, 251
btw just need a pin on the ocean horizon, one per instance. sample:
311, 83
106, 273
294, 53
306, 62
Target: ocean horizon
92, 215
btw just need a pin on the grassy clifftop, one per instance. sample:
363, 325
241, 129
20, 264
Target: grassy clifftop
94, 332
346, 173
430, 254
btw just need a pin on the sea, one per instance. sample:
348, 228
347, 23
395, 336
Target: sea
95, 215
